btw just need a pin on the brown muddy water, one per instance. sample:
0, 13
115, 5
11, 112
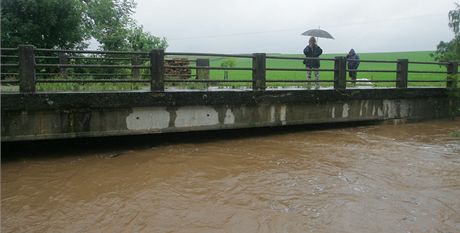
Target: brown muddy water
375, 178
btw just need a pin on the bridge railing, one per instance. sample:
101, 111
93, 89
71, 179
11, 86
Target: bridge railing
27, 66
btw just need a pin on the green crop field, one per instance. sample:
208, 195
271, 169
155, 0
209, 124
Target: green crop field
301, 75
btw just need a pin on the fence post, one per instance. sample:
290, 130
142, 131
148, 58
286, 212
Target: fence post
258, 71
26, 69
340, 73
452, 70
135, 71
402, 72
63, 60
202, 73
157, 60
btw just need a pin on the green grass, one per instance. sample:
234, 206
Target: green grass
454, 134
300, 75
278, 75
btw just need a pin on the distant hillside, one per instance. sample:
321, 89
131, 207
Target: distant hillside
412, 56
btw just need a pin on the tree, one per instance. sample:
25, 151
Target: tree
450, 50
43, 23
230, 62
110, 22
139, 40
69, 23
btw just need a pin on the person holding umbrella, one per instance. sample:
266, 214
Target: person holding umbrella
353, 63
312, 51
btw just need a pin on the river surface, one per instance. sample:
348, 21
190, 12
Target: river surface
375, 178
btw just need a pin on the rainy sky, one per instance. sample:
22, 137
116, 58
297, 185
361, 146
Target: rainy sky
274, 26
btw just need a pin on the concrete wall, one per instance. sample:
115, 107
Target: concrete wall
69, 115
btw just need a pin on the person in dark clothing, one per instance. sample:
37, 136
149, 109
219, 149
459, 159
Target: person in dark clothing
312, 51
353, 63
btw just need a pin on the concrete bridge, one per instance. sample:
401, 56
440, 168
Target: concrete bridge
70, 115
31, 115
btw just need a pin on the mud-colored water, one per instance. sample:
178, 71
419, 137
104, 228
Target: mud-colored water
383, 178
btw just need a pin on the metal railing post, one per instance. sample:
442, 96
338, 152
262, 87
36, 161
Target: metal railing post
63, 60
340, 73
402, 73
135, 71
452, 70
26, 68
157, 59
259, 72
202, 73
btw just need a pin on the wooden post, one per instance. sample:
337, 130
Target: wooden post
340, 73
135, 71
452, 70
63, 60
157, 60
259, 71
402, 73
202, 73
26, 69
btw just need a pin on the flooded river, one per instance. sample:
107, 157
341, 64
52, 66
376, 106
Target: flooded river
375, 178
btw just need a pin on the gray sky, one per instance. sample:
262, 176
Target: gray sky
274, 26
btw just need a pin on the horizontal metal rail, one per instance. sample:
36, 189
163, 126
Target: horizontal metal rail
209, 67
9, 73
428, 63
9, 81
209, 55
89, 58
180, 59
427, 81
427, 72
298, 69
182, 75
105, 58
91, 66
372, 71
373, 61
297, 81
205, 81
9, 65
90, 51
10, 56
300, 58
98, 58
46, 57
8, 49
84, 74
372, 81
103, 74
92, 81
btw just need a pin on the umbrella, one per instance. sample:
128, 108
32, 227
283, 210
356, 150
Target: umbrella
318, 33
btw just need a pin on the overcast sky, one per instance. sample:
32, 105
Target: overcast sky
274, 26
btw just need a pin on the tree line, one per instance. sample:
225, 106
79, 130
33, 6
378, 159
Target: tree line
450, 50
71, 24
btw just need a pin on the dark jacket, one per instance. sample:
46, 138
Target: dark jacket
316, 51
353, 56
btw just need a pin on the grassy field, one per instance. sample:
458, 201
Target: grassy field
300, 75
280, 75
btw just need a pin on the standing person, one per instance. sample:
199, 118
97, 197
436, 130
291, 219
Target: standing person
353, 63
312, 51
